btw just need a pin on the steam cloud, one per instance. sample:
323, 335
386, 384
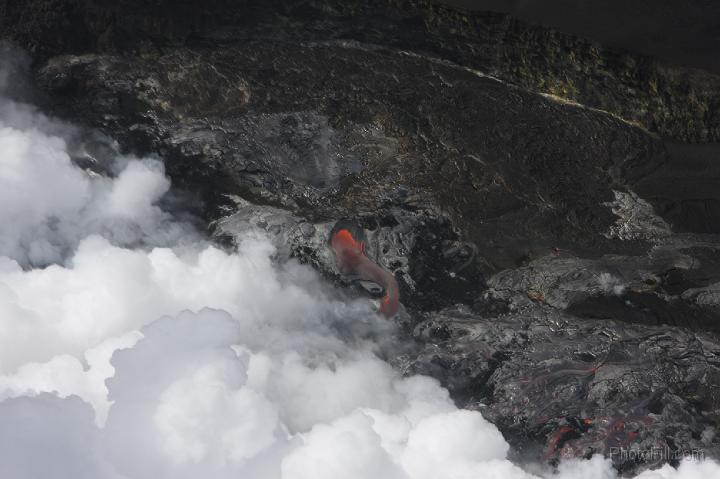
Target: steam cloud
130, 348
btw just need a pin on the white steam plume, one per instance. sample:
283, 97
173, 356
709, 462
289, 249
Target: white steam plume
126, 356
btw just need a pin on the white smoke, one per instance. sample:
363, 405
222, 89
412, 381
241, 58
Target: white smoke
52, 204
131, 349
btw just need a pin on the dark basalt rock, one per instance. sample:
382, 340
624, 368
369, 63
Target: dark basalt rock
507, 167
558, 264
675, 102
559, 386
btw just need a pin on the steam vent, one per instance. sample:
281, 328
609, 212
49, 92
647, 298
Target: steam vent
359, 239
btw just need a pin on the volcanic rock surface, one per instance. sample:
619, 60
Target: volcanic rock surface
559, 265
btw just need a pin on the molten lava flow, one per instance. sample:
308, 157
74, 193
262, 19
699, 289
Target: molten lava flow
351, 259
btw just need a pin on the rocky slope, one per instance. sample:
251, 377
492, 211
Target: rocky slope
558, 264
678, 103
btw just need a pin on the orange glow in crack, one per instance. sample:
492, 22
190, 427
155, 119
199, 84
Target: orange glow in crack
351, 259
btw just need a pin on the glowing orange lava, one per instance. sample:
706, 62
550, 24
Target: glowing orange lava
351, 259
